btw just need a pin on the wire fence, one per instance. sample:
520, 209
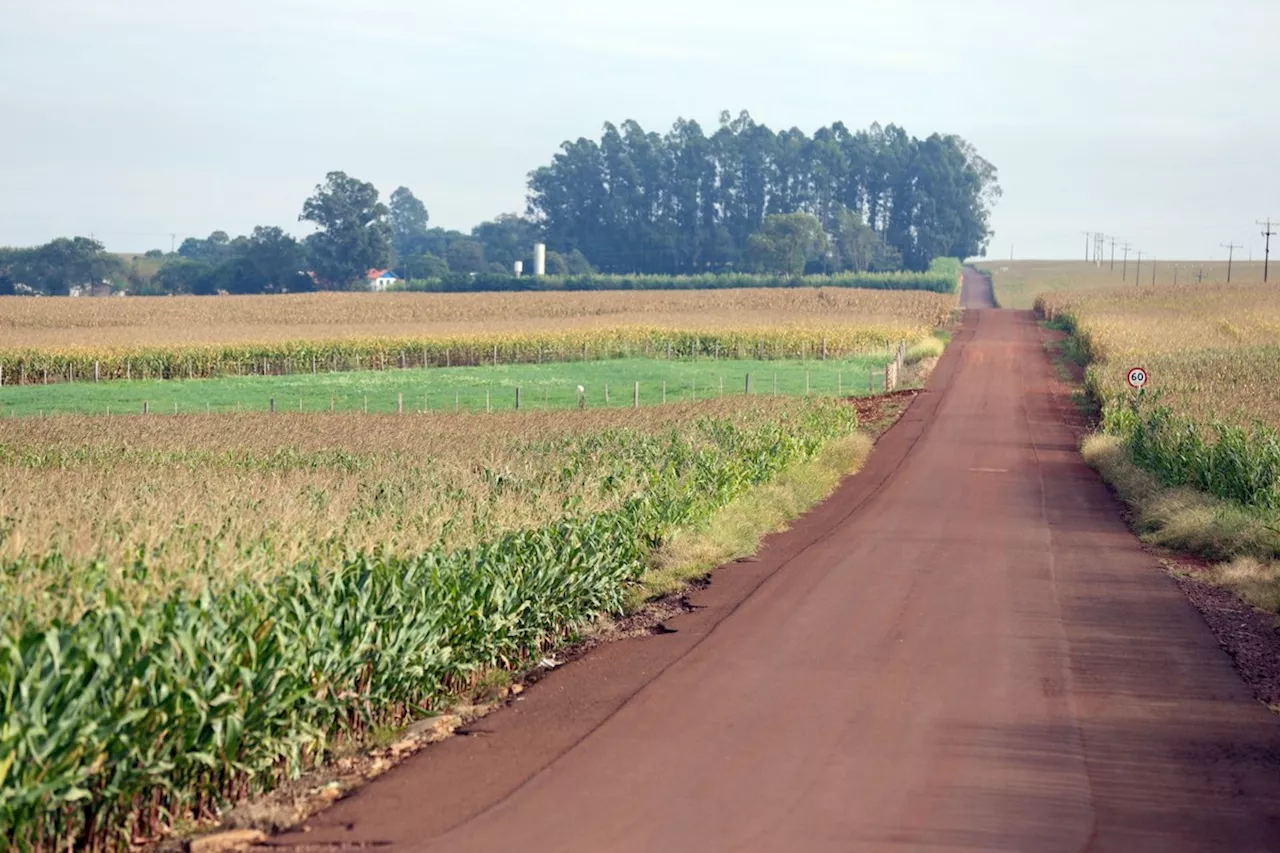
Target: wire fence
563, 388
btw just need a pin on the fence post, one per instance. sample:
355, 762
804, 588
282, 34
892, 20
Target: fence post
824, 349
606, 393
664, 391
400, 403
495, 355
366, 404
746, 388
95, 373
403, 363
273, 405
775, 383
455, 401
635, 397
146, 407
517, 398
331, 404
313, 363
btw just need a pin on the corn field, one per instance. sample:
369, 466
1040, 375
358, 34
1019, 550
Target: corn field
1210, 416
188, 321
41, 366
153, 703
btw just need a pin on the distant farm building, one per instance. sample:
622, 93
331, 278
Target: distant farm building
381, 279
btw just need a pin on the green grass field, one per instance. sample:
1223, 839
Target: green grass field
1017, 283
467, 388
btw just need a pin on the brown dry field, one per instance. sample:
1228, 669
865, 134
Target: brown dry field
29, 322
1017, 283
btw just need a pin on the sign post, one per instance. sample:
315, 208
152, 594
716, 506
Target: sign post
1137, 378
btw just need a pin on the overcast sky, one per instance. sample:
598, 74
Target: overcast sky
1154, 120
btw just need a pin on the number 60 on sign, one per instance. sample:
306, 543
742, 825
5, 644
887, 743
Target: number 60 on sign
1137, 378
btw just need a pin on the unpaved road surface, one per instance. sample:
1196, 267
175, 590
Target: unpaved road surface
964, 649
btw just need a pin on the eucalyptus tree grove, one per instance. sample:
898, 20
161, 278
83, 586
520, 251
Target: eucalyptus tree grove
637, 201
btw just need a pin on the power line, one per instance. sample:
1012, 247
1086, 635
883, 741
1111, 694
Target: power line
1266, 261
1231, 251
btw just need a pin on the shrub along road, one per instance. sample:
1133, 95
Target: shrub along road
963, 649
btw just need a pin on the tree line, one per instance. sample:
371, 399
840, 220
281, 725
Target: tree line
742, 199
685, 201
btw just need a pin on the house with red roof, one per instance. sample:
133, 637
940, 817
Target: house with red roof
381, 279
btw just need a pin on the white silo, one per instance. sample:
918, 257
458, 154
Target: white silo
539, 258
519, 268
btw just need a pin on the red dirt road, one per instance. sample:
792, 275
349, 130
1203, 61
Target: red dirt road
964, 649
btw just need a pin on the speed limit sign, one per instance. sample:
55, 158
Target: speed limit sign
1137, 378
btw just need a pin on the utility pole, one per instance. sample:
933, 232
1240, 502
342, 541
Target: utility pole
173, 241
1124, 270
1231, 251
1266, 258
1153, 272
1087, 236
1099, 248
1137, 276
1113, 254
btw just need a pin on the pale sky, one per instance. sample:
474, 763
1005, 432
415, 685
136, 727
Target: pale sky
1154, 120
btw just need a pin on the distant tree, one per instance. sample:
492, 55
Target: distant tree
557, 264
507, 239
886, 258
183, 275
62, 264
154, 253
786, 242
277, 260
408, 224
425, 265
213, 250
854, 242
466, 256
577, 263
354, 234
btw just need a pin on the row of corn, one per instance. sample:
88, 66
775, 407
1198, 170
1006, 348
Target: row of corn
38, 365
132, 718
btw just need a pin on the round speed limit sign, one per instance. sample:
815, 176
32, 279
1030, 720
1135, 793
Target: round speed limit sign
1137, 378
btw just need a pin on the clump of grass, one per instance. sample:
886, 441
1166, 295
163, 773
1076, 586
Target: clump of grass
735, 530
1183, 518
931, 347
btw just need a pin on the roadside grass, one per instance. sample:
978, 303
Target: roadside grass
1241, 544
1244, 543
736, 530
470, 389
